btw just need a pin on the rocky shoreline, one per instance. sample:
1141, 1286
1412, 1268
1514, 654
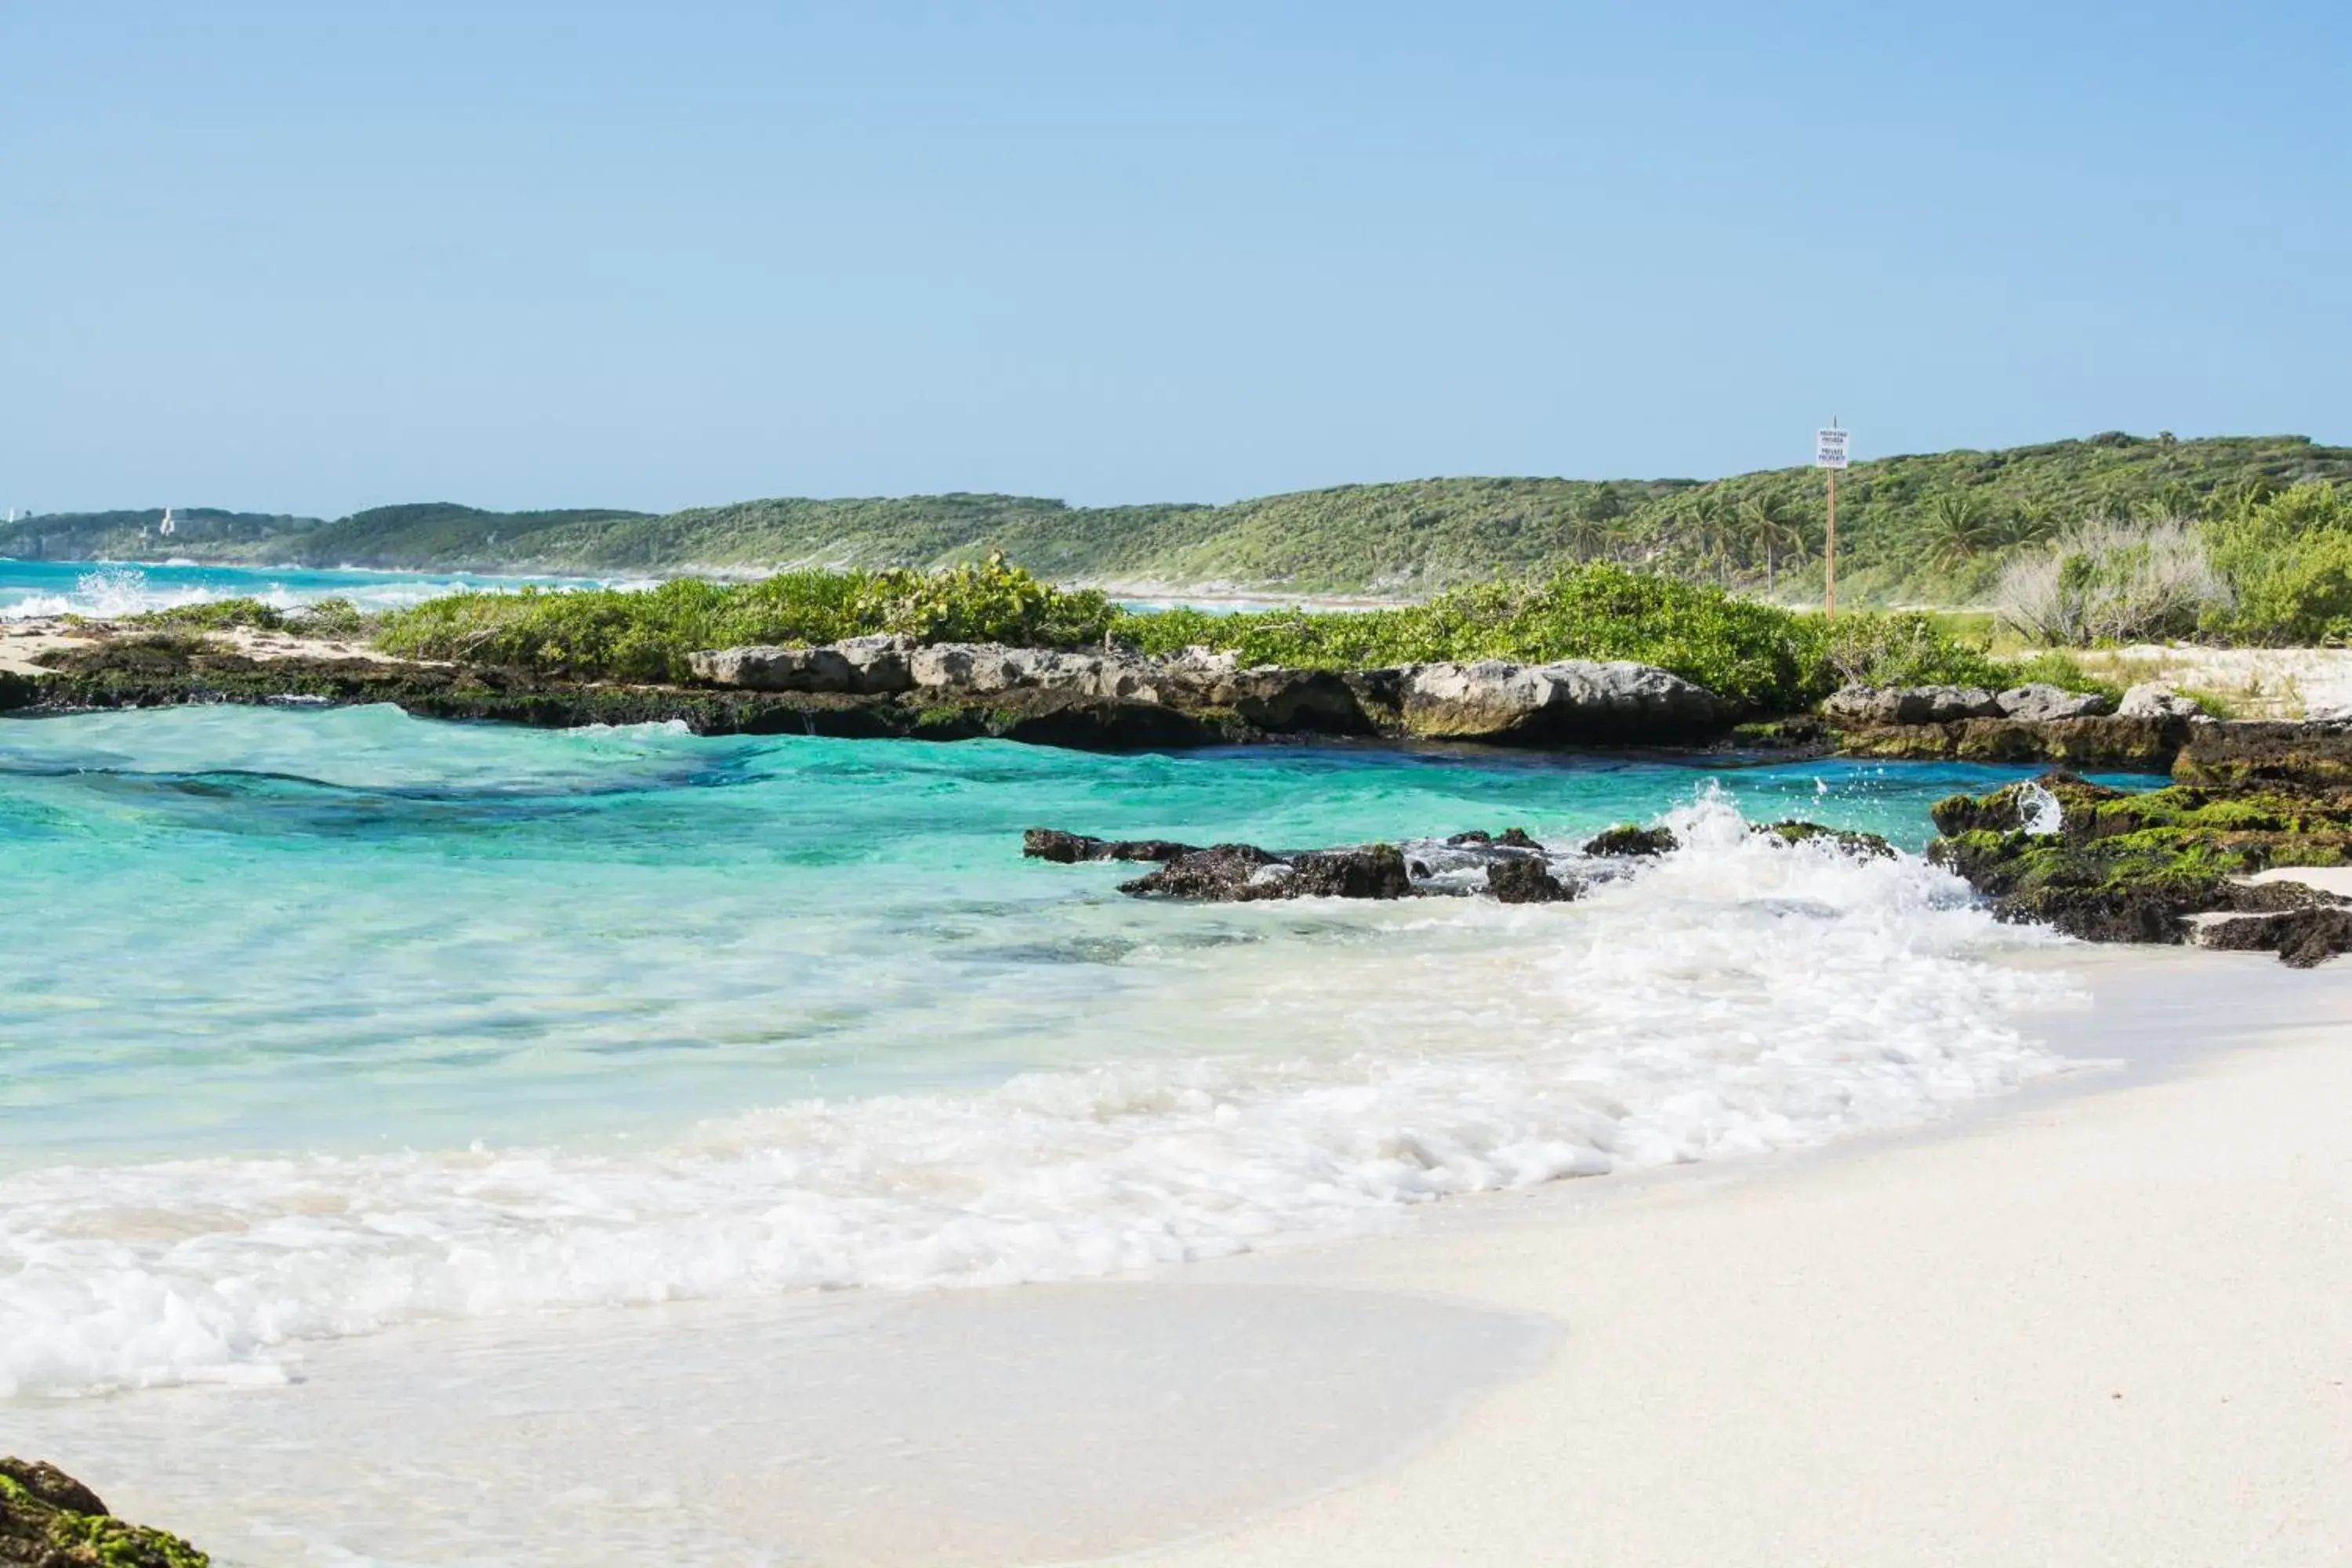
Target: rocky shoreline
883, 688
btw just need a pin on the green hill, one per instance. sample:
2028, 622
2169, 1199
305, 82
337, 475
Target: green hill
1931, 528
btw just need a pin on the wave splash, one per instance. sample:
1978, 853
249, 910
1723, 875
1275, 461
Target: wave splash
1741, 996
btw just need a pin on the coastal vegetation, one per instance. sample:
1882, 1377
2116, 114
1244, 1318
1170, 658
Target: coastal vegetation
1761, 658
1938, 529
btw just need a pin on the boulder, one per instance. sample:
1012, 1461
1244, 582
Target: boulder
1875, 706
2152, 700
1577, 700
866, 666
1526, 881
2042, 703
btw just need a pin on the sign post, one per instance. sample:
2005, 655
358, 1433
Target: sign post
1829, 452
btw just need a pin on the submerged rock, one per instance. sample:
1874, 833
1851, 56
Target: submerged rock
1626, 838
49, 1519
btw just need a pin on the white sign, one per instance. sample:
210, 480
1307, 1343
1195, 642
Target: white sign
1829, 449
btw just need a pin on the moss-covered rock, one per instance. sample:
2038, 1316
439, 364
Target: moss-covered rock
1630, 838
1791, 830
49, 1519
2119, 867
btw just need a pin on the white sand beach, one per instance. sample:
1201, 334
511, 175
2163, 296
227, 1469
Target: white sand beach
2102, 1327
2104, 1320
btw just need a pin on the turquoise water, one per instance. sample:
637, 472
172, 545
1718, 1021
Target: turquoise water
121, 588
315, 1021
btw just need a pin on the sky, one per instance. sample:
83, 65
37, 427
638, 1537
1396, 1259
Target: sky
305, 258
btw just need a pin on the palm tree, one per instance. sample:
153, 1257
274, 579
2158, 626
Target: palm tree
1958, 530
1766, 521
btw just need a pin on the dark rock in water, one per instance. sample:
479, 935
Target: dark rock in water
1376, 871
1510, 839
1792, 831
1222, 873
2302, 938
1625, 838
1244, 873
1069, 849
49, 1519
1526, 881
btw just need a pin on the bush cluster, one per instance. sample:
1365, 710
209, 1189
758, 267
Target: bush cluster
615, 634
323, 618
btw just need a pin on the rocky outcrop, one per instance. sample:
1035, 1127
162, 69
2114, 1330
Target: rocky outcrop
2112, 741
2303, 938
2038, 703
2109, 866
1577, 701
2266, 753
49, 1519
864, 666
1876, 707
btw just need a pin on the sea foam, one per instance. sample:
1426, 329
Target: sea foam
1741, 996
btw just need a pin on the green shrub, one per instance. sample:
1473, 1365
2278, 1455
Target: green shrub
2289, 557
213, 616
616, 634
338, 618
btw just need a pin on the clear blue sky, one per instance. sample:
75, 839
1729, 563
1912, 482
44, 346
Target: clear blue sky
313, 256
